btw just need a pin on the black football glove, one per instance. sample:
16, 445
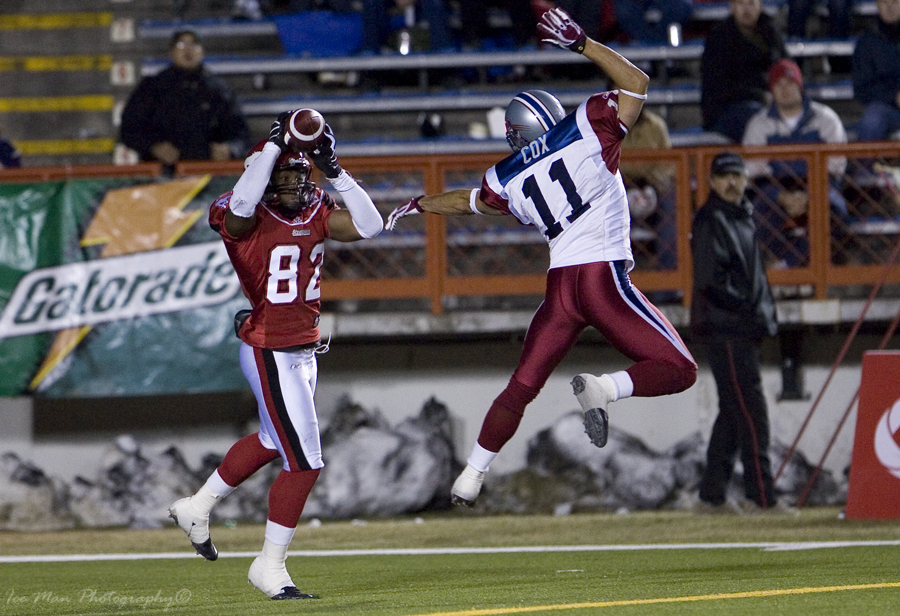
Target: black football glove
323, 156
276, 134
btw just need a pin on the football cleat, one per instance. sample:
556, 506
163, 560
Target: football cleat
466, 487
596, 426
195, 526
292, 592
274, 581
593, 398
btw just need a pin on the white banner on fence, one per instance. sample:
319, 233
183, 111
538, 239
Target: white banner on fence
118, 288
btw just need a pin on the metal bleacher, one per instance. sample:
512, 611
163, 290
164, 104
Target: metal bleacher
475, 59
427, 99
428, 95
456, 100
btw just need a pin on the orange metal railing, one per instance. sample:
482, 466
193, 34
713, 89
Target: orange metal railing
433, 258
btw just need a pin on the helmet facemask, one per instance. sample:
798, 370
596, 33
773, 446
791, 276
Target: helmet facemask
529, 115
514, 138
290, 187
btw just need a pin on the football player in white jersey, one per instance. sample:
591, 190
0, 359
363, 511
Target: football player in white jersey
274, 225
564, 179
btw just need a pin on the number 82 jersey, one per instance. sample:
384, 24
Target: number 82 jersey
278, 263
567, 184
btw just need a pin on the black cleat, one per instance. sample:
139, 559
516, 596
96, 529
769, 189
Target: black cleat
292, 592
190, 522
596, 425
206, 549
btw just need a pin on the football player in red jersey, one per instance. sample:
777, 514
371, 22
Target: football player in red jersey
274, 225
564, 179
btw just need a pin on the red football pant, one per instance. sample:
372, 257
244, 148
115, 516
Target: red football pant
289, 491
598, 295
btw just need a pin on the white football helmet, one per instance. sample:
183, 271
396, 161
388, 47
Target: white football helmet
531, 114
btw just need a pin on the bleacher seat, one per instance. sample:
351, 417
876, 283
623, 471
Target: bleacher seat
425, 98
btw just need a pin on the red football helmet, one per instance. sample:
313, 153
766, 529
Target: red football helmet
290, 185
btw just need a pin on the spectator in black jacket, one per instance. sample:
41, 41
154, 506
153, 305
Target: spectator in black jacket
735, 65
731, 311
876, 74
184, 113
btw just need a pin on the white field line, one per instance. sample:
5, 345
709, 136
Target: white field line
768, 547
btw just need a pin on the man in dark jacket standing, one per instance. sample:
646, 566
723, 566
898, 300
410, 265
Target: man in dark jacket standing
735, 66
732, 310
184, 113
876, 74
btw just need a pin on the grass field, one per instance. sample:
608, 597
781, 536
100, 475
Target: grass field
647, 563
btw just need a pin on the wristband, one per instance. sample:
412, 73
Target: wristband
473, 202
643, 97
579, 45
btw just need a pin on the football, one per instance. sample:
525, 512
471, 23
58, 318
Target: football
305, 130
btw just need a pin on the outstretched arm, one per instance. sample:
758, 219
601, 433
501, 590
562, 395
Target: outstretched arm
462, 202
457, 203
558, 28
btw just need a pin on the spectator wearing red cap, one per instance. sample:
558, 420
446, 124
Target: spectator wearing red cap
783, 196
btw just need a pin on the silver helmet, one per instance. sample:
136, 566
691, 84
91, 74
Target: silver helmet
531, 114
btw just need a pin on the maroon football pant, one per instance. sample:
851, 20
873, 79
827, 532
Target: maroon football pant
598, 295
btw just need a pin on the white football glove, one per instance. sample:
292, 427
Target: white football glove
407, 209
559, 29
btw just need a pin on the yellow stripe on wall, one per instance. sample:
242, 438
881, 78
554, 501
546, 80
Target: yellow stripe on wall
55, 20
96, 102
101, 145
101, 62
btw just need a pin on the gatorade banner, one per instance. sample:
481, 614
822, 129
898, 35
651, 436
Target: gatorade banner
115, 287
874, 488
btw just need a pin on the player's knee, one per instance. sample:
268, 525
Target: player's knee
686, 375
517, 396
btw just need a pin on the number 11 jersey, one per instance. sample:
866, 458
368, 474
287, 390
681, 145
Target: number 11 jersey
567, 184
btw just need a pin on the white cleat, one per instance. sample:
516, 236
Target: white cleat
466, 487
195, 526
274, 581
594, 400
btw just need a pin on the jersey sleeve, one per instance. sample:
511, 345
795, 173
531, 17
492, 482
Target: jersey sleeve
217, 215
490, 197
327, 206
603, 115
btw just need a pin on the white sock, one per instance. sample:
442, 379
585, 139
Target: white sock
210, 493
619, 384
274, 552
275, 555
481, 458
278, 534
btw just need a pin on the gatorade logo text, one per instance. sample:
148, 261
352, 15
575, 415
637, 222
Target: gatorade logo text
115, 288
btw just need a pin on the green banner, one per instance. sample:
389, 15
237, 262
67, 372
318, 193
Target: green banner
115, 287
